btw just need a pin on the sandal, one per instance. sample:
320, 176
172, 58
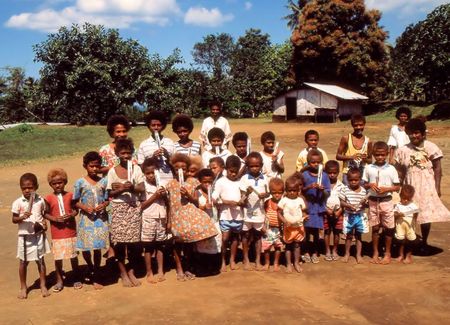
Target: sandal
335, 257
307, 258
181, 277
189, 275
77, 285
58, 288
315, 259
328, 258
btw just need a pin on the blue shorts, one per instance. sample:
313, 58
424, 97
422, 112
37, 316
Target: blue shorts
355, 221
231, 225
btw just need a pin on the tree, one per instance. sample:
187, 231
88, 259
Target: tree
341, 42
296, 8
90, 73
421, 58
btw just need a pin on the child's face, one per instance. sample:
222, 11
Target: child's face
405, 197
358, 127
314, 162
333, 174
277, 192
354, 180
215, 111
416, 137
27, 188
93, 168
155, 126
182, 165
254, 166
312, 140
183, 133
380, 156
206, 183
232, 173
120, 132
216, 168
125, 154
216, 142
57, 184
403, 118
149, 173
193, 170
269, 145
292, 191
241, 148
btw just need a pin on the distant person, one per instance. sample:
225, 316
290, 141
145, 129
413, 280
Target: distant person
355, 148
419, 164
312, 142
273, 165
398, 137
216, 139
216, 120
241, 143
182, 126
28, 213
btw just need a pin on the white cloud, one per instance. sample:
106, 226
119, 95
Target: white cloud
248, 5
110, 13
405, 7
200, 16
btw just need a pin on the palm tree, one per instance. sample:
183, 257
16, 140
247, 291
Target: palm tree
293, 19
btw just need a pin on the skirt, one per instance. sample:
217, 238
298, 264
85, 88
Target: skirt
125, 223
64, 248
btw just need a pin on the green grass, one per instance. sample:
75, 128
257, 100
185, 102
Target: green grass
389, 115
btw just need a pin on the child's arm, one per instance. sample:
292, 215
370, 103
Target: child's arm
160, 192
281, 217
368, 157
139, 188
347, 205
191, 198
393, 188
340, 154
305, 214
16, 218
437, 168
50, 217
278, 165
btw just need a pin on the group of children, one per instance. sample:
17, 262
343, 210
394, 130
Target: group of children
172, 197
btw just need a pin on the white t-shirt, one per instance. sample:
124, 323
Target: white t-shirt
292, 210
20, 206
207, 155
268, 168
408, 211
137, 177
397, 137
333, 199
225, 189
254, 211
146, 150
156, 210
209, 123
385, 175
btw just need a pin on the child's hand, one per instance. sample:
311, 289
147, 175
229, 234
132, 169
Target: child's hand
26, 215
128, 186
263, 196
305, 217
160, 192
374, 187
208, 206
184, 191
117, 187
241, 203
382, 190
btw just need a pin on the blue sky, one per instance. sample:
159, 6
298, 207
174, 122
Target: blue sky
162, 25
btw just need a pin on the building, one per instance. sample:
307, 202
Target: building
317, 102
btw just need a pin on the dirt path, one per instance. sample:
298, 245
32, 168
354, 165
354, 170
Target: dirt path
333, 293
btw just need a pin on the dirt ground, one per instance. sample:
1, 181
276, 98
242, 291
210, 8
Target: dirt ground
328, 292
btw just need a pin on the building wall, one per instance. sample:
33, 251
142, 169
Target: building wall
346, 108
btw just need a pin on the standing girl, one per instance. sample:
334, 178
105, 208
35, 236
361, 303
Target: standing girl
182, 126
90, 197
125, 184
398, 137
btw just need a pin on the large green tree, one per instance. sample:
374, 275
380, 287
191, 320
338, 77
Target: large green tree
339, 41
90, 72
421, 59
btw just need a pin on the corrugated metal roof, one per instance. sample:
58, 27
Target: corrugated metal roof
337, 91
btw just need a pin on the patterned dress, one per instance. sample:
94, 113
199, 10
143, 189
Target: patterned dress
189, 223
92, 228
420, 174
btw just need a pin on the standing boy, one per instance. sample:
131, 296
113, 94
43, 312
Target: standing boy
272, 156
216, 120
312, 142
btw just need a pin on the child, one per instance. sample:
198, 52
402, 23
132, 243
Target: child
332, 222
353, 198
398, 137
215, 137
272, 156
355, 148
406, 213
255, 188
241, 144
420, 165
188, 223
156, 122
195, 166
217, 166
312, 141
125, 184
381, 179
212, 246
90, 197
182, 126
63, 227
154, 220
316, 191
272, 236
28, 213
214, 121
227, 197
292, 212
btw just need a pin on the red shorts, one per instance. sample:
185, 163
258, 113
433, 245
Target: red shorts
333, 223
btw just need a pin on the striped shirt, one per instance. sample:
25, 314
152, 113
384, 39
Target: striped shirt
193, 150
354, 198
272, 213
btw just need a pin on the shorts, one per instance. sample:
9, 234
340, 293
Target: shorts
272, 238
154, 229
258, 226
405, 229
231, 225
333, 223
32, 247
355, 221
293, 234
64, 248
381, 213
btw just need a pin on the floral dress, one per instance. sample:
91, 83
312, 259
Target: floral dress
420, 174
93, 230
189, 223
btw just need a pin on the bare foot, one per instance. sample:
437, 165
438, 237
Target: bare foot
265, 267
151, 279
22, 294
259, 267
234, 266
408, 260
44, 292
97, 286
223, 269
298, 268
400, 259
247, 266
359, 260
161, 277
276, 267
289, 268
345, 258
126, 282
133, 279
375, 259
386, 260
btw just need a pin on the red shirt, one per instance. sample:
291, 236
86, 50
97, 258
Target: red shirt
61, 230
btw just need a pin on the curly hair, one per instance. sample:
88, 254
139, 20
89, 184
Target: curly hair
182, 120
403, 110
156, 115
115, 120
29, 177
91, 156
314, 152
124, 144
233, 162
415, 124
216, 133
57, 172
268, 135
179, 157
